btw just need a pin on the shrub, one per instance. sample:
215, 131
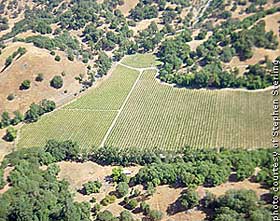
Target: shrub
96, 208
52, 53
39, 77
189, 199
109, 199
122, 189
57, 58
70, 57
11, 97
91, 187
57, 82
8, 61
132, 204
18, 118
105, 216
155, 215
11, 134
126, 216
93, 200
25, 85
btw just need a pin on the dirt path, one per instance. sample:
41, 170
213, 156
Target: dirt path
199, 14
121, 109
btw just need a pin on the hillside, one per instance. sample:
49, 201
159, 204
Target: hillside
129, 110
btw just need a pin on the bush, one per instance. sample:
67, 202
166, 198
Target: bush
25, 85
155, 215
70, 57
122, 189
39, 77
57, 82
11, 97
18, 118
91, 187
188, 200
105, 216
96, 208
52, 53
57, 58
132, 204
11, 134
145, 208
8, 61
126, 216
109, 199
93, 200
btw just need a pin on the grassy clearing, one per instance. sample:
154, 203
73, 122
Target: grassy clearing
169, 118
110, 94
140, 60
86, 127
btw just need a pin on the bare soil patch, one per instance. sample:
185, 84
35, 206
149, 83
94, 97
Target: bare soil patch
127, 6
259, 55
164, 197
273, 24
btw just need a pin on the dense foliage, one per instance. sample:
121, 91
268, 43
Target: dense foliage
189, 168
238, 205
32, 114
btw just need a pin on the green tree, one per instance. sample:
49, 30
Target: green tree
105, 216
5, 119
11, 134
25, 85
132, 204
18, 118
57, 58
122, 189
188, 200
57, 82
150, 189
145, 208
33, 113
91, 187
155, 215
126, 216
47, 105
8, 61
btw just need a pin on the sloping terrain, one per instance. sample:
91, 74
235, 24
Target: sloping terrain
133, 109
27, 67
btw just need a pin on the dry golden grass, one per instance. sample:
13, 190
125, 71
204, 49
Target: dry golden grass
79, 173
127, 6
27, 67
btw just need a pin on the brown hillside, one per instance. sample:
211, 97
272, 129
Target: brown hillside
27, 67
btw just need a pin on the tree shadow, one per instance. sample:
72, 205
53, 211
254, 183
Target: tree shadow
233, 177
4, 68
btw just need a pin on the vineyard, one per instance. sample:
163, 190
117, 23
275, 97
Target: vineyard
111, 94
165, 117
133, 109
84, 126
87, 119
